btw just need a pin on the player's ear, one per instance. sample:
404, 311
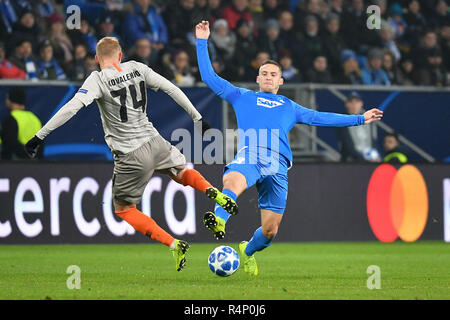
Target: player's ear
97, 59
281, 81
120, 56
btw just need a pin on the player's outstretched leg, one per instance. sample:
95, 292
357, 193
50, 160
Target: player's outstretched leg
179, 250
234, 184
215, 221
215, 224
226, 199
147, 226
193, 178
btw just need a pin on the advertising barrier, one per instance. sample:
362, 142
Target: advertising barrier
397, 203
71, 203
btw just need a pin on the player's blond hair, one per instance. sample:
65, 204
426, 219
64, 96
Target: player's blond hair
108, 47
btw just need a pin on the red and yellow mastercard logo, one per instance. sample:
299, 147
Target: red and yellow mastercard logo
397, 203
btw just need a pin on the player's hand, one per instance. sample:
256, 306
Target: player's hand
32, 146
202, 30
372, 115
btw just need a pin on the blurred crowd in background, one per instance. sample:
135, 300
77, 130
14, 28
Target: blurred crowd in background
320, 41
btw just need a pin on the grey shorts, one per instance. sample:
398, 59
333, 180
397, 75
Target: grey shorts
132, 171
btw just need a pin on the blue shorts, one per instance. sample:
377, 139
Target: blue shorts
268, 170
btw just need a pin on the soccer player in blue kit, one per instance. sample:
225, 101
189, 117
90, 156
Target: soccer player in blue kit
263, 158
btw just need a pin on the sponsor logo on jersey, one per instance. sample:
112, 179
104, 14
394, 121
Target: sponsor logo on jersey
81, 90
267, 103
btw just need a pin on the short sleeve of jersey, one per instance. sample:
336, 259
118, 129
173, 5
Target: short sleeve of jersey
89, 90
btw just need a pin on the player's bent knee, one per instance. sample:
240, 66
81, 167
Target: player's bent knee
179, 175
235, 182
270, 231
118, 207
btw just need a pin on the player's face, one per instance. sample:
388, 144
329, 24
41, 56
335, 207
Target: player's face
269, 78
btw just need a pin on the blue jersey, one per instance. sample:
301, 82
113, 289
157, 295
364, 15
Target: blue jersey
264, 119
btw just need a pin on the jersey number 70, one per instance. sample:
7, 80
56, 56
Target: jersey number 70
122, 93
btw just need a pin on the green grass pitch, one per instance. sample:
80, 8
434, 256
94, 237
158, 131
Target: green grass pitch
418, 270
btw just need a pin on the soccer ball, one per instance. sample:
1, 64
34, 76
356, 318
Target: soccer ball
223, 261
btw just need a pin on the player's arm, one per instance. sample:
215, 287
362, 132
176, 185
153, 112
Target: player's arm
157, 82
84, 97
218, 85
330, 119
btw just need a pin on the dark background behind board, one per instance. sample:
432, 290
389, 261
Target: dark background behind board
422, 117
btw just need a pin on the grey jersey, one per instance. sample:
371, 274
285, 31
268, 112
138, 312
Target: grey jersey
121, 95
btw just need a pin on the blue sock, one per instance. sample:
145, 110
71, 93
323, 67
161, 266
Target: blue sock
257, 243
219, 211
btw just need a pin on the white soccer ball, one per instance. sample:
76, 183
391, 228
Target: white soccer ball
223, 261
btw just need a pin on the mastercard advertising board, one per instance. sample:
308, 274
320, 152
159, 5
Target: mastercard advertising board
71, 203
398, 203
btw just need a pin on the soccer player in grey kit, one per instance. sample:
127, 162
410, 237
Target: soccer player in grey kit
120, 90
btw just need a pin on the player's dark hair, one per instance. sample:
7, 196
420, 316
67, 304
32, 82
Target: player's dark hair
272, 62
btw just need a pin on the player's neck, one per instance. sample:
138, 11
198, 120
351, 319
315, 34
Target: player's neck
268, 91
106, 64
